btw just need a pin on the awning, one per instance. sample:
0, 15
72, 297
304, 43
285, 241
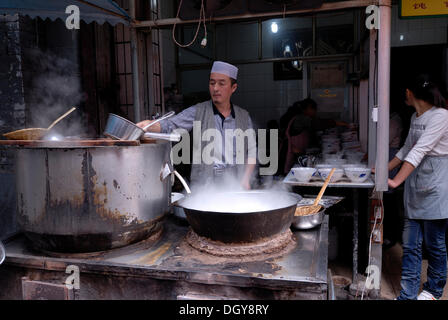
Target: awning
98, 11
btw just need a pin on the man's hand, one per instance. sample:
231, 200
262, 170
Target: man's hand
392, 183
245, 184
143, 123
154, 128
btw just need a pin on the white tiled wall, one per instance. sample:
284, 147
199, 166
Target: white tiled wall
257, 91
420, 31
264, 98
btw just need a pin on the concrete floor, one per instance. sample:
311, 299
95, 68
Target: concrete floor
391, 272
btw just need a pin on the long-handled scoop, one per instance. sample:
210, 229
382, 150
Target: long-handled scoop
35, 133
308, 210
169, 114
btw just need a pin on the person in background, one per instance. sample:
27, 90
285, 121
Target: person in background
292, 111
221, 114
302, 129
297, 133
424, 159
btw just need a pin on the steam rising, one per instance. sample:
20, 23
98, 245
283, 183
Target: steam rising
229, 196
56, 87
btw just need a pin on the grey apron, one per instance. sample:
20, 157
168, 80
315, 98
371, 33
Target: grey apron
426, 190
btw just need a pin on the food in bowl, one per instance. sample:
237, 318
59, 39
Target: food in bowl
337, 175
304, 220
357, 174
306, 210
303, 174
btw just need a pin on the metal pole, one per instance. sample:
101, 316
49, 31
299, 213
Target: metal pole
332, 6
382, 155
372, 129
302, 58
355, 236
134, 60
160, 37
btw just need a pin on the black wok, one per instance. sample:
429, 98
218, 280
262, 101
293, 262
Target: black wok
235, 217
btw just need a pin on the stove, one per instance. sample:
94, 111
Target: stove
176, 263
275, 246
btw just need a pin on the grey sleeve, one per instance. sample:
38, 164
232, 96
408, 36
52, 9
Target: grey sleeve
429, 139
183, 120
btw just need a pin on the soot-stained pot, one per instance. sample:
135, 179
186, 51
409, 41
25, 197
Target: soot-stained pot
91, 197
272, 214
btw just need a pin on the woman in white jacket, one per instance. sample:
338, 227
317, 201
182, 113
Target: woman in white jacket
424, 159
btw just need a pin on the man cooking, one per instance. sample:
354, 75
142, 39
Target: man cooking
221, 114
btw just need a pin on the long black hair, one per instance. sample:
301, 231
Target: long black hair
427, 90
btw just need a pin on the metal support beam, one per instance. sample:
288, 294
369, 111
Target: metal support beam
355, 235
382, 155
332, 6
134, 60
335, 57
372, 97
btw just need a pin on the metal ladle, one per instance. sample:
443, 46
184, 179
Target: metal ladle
119, 128
169, 114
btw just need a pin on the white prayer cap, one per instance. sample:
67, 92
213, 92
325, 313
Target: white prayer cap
225, 68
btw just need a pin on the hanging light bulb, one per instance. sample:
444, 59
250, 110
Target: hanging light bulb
274, 27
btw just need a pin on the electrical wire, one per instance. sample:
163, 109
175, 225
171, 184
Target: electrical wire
201, 19
370, 241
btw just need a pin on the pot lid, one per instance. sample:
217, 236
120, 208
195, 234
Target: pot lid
68, 143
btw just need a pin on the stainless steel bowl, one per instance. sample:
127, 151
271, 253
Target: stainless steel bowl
309, 221
122, 129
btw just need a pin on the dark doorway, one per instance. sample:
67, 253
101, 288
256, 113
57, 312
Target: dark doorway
409, 62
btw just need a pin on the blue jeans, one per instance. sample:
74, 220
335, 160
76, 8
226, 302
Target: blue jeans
432, 234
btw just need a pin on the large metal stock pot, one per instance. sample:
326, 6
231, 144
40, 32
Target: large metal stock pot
91, 198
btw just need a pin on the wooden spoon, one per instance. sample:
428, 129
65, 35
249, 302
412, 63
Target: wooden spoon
316, 207
60, 118
34, 133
